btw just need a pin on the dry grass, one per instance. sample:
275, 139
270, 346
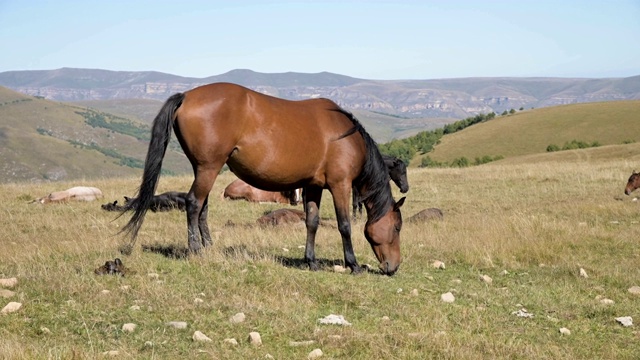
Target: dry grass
540, 222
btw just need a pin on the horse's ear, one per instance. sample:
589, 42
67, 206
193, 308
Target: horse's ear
397, 205
634, 172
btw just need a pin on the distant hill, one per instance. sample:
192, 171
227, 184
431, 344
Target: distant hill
382, 127
42, 140
441, 98
532, 131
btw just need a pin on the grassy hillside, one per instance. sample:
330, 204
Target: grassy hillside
529, 227
531, 131
143, 110
382, 127
46, 140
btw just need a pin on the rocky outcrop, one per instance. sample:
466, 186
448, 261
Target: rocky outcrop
444, 98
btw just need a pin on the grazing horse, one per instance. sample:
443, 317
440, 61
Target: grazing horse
240, 190
275, 144
633, 183
397, 172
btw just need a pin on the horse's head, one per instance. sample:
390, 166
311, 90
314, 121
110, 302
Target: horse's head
633, 183
398, 173
384, 237
294, 196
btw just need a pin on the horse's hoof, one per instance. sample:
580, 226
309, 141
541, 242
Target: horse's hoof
313, 266
355, 270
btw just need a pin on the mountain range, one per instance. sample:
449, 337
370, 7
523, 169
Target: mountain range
409, 99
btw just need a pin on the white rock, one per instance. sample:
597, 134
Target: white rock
8, 283
148, 344
105, 292
607, 301
625, 321
11, 307
177, 324
255, 339
285, 249
448, 297
153, 276
339, 268
583, 273
565, 331
504, 272
316, 353
111, 353
635, 290
134, 307
399, 290
332, 319
414, 292
438, 265
198, 336
125, 287
522, 313
486, 279
237, 318
231, 341
301, 343
45, 330
385, 318
198, 301
129, 327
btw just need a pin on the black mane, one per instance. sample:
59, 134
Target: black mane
373, 181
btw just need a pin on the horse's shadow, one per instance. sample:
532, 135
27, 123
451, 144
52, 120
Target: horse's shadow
179, 252
169, 251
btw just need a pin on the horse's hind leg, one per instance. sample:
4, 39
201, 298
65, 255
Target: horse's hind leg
204, 225
312, 197
197, 208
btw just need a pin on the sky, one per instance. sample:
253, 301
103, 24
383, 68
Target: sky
384, 40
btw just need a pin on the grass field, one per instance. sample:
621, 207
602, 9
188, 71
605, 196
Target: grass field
531, 131
531, 227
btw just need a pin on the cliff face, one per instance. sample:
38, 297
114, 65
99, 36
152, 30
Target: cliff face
450, 98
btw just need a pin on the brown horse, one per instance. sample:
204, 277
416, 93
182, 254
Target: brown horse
275, 144
633, 183
240, 190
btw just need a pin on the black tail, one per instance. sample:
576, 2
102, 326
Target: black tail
160, 136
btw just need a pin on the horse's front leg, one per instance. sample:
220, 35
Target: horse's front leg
311, 197
341, 203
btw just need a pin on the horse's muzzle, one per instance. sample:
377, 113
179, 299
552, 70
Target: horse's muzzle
388, 269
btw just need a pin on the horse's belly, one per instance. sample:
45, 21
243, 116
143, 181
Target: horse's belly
272, 176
